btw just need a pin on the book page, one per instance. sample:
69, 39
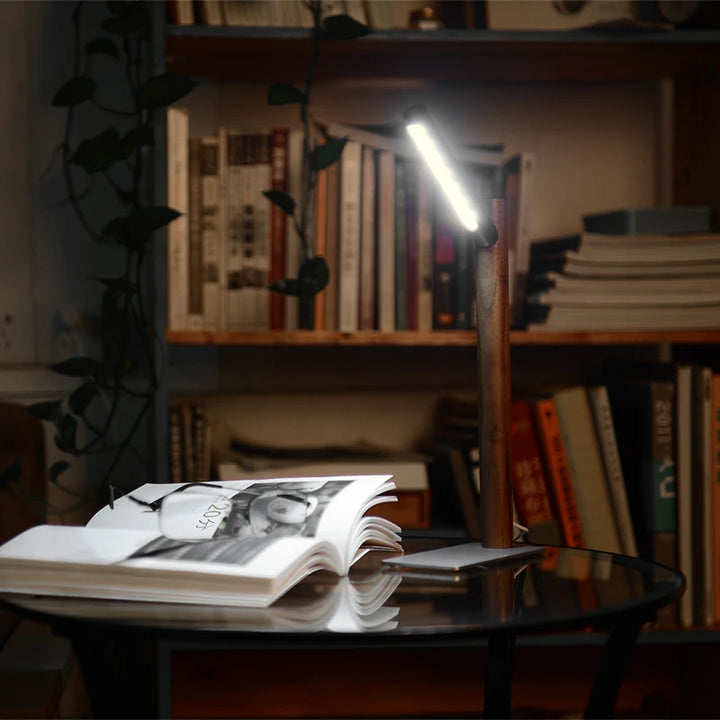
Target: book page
255, 512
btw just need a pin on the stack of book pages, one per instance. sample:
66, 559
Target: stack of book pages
602, 281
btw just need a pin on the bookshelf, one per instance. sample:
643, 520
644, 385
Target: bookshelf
686, 60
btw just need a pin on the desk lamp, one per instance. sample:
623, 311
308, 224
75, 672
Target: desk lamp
485, 227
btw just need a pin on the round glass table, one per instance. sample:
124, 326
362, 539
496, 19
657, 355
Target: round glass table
561, 589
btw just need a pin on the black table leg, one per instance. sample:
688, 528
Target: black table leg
611, 670
498, 675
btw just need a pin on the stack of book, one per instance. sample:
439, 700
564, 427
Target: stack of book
396, 260
630, 464
626, 273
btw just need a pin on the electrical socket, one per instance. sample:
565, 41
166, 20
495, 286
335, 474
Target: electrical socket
16, 331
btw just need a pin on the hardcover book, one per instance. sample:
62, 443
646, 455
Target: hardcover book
649, 220
242, 543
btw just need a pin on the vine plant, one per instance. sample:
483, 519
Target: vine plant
115, 389
319, 152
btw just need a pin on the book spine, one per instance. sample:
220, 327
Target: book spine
684, 488
332, 244
716, 489
177, 233
195, 279
175, 440
292, 239
211, 219
278, 224
444, 280
558, 470
702, 501
586, 469
223, 230
401, 302
262, 208
425, 252
386, 241
321, 188
236, 201
530, 488
465, 285
412, 192
350, 192
522, 238
368, 241
605, 428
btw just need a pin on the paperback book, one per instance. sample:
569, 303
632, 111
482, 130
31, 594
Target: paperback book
241, 543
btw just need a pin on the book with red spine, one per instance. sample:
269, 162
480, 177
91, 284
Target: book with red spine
529, 482
278, 223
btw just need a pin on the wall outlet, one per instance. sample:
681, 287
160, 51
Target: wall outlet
16, 331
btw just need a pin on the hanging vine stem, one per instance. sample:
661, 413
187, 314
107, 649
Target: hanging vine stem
313, 273
108, 392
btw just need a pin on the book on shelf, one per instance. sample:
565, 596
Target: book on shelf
605, 427
518, 172
703, 481
195, 316
190, 436
321, 243
558, 470
424, 224
643, 413
715, 411
368, 246
332, 231
278, 223
386, 240
531, 490
211, 232
178, 136
241, 543
349, 248
292, 238
402, 168
636, 221
587, 471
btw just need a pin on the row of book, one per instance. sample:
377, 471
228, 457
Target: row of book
661, 274
628, 466
189, 438
376, 14
396, 260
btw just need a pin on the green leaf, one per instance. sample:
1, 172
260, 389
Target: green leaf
131, 17
343, 27
80, 398
66, 428
57, 469
284, 94
102, 46
46, 410
327, 154
11, 474
138, 137
81, 366
98, 153
313, 275
133, 230
75, 91
281, 199
286, 286
163, 90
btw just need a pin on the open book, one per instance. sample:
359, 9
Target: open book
238, 542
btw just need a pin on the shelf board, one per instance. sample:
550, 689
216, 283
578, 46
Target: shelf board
264, 55
447, 338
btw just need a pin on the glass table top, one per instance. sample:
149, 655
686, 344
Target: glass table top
561, 588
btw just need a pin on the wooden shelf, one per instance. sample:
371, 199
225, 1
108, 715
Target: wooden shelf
264, 55
448, 338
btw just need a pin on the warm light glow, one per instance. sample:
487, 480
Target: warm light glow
440, 166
